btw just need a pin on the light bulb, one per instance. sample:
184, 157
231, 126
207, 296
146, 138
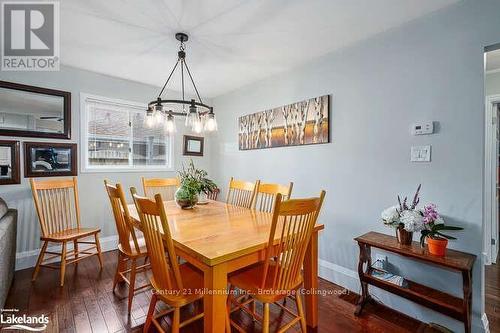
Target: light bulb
170, 124
211, 123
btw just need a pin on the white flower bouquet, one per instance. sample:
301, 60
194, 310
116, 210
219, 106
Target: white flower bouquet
410, 218
405, 219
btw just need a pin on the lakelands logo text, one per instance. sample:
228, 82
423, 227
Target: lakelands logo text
11, 320
30, 36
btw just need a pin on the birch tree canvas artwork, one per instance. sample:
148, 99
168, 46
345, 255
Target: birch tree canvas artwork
301, 123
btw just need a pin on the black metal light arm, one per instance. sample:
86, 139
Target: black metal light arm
179, 101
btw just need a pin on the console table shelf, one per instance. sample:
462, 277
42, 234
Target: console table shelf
458, 308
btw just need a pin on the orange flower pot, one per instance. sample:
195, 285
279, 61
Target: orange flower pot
437, 247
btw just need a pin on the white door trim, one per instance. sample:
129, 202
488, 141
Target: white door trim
490, 180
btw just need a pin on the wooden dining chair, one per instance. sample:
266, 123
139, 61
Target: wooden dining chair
279, 275
174, 284
164, 186
265, 195
130, 247
241, 193
57, 206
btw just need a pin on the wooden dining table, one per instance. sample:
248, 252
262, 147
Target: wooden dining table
219, 238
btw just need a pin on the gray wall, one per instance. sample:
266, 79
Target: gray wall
429, 69
94, 206
492, 84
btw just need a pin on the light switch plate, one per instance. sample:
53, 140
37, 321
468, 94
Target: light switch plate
420, 154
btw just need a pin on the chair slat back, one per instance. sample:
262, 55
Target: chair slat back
214, 194
56, 203
158, 238
266, 195
126, 231
164, 186
241, 193
293, 220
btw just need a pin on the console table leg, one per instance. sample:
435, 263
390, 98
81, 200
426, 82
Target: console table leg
364, 258
467, 303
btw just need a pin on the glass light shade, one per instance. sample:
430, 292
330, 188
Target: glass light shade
191, 118
158, 117
149, 119
211, 123
170, 124
197, 125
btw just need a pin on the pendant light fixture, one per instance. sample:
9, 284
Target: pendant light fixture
199, 116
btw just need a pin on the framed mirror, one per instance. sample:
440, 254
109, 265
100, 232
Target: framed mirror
193, 145
34, 111
9, 162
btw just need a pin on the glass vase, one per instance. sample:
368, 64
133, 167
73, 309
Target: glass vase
185, 199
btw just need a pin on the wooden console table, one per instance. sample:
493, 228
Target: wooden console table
458, 308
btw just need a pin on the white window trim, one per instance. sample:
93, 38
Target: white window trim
84, 167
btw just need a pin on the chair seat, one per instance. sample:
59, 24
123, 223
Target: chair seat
143, 251
70, 234
250, 280
192, 280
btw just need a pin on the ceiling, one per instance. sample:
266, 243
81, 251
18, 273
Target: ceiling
232, 43
493, 61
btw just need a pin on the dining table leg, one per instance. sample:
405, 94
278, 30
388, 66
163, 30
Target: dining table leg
215, 281
311, 281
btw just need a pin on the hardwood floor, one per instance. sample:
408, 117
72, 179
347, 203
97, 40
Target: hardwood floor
86, 304
492, 286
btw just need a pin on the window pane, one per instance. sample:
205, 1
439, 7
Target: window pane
108, 137
151, 145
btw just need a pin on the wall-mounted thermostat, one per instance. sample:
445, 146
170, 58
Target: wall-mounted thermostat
422, 128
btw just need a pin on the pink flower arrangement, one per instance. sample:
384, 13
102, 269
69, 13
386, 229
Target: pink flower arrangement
430, 214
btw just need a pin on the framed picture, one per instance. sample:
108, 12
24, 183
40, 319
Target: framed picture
193, 145
46, 159
302, 123
10, 172
34, 111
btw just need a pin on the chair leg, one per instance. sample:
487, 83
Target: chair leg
265, 322
40, 260
228, 308
63, 263
252, 307
98, 245
131, 287
75, 248
176, 322
119, 268
300, 310
151, 312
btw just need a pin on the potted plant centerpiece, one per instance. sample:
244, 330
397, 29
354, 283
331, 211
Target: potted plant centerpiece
193, 182
433, 228
404, 219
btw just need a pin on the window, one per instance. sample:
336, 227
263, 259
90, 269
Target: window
115, 137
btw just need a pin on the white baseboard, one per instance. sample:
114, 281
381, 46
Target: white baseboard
339, 275
28, 259
486, 323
